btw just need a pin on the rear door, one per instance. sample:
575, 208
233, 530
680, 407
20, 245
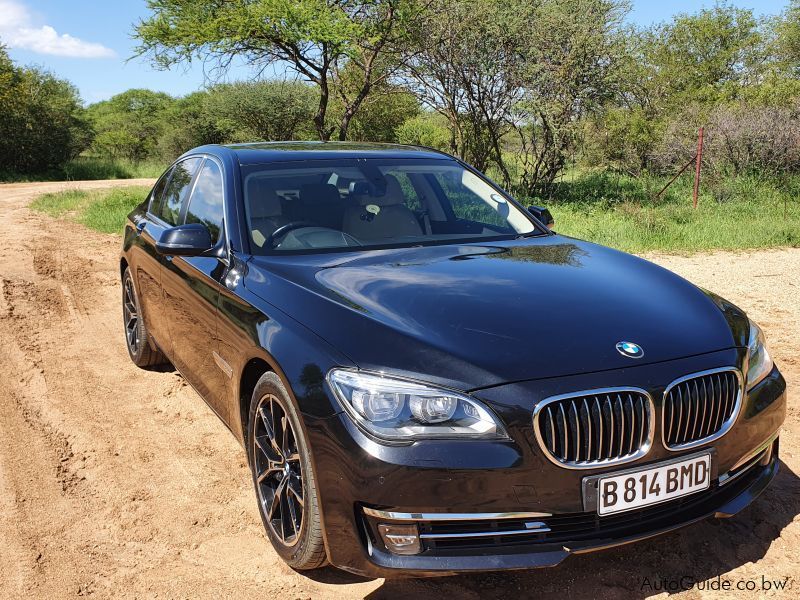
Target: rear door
191, 288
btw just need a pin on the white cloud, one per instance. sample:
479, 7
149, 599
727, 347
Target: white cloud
18, 30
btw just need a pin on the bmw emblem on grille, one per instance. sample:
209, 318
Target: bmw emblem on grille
630, 349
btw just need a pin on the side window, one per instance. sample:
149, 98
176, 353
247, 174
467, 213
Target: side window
467, 205
205, 205
157, 195
177, 190
410, 194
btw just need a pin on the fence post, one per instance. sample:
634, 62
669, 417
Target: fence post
697, 166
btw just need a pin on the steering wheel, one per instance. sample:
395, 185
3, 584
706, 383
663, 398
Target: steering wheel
285, 229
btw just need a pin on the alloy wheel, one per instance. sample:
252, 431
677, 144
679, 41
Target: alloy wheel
130, 315
278, 469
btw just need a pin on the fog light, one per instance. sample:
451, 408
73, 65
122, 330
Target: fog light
400, 539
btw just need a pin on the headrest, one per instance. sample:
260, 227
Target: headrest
262, 199
365, 193
319, 193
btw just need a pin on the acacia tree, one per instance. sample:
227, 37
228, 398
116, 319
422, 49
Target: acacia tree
571, 63
314, 38
463, 64
531, 67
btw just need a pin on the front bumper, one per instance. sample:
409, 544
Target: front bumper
355, 473
569, 533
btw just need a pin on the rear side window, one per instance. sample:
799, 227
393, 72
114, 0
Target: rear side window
158, 193
177, 190
205, 205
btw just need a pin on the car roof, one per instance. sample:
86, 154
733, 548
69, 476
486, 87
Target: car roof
270, 152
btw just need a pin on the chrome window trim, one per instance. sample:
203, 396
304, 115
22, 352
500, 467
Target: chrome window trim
726, 425
412, 516
642, 451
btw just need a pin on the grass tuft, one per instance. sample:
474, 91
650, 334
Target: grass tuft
101, 210
109, 209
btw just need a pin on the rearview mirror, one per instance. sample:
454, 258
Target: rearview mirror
191, 239
541, 213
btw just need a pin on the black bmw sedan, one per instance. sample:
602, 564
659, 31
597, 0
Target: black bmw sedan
425, 377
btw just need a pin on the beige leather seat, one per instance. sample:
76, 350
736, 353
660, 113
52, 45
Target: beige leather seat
393, 219
266, 212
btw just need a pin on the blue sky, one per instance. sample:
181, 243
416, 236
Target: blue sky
89, 42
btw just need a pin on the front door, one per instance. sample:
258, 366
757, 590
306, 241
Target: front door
145, 264
191, 287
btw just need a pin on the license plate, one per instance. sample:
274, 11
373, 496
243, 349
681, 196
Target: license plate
652, 485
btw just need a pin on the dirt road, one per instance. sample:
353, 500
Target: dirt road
120, 482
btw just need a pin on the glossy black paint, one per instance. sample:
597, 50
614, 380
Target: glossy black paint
458, 315
189, 239
542, 214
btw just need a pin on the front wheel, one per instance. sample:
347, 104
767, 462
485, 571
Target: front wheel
136, 337
284, 480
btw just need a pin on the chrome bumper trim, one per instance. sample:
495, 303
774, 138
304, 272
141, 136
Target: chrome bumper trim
403, 516
749, 460
531, 528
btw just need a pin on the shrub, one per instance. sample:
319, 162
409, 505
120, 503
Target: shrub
42, 122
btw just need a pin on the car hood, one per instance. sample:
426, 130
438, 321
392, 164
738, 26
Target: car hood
475, 315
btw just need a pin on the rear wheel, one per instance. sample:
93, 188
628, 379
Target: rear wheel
136, 338
282, 475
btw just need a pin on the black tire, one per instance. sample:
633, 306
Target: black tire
283, 462
142, 353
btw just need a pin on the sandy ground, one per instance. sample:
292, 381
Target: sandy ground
121, 482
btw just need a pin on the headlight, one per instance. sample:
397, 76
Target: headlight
759, 362
397, 410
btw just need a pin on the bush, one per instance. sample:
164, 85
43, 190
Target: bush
128, 125
427, 129
42, 122
738, 140
261, 111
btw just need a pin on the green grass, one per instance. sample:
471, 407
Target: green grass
61, 203
102, 210
92, 168
617, 211
620, 211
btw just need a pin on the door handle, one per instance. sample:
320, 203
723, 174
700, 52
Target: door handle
140, 225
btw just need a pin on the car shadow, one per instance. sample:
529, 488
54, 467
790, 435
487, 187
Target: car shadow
165, 367
701, 552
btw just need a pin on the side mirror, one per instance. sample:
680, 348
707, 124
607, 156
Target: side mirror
543, 214
190, 239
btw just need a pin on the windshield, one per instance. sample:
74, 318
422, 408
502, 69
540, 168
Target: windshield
363, 203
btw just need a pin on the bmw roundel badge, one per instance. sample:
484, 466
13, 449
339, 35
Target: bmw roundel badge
630, 349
